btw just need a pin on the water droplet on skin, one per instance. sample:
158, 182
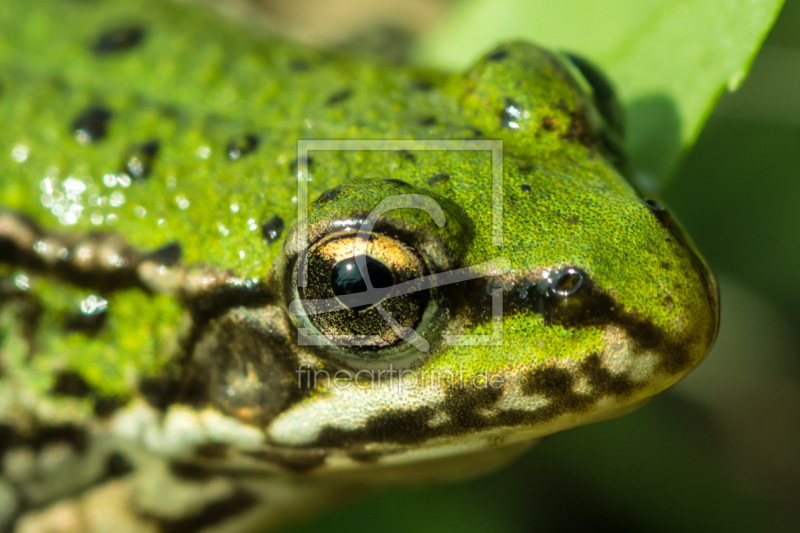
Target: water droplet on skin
91, 125
204, 152
512, 114
20, 153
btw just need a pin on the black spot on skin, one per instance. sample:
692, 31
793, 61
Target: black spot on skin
241, 146
573, 219
421, 85
74, 436
105, 406
69, 383
299, 65
525, 187
428, 121
665, 265
408, 156
339, 97
168, 255
438, 178
91, 125
476, 133
164, 390
139, 161
119, 39
117, 466
511, 114
497, 55
89, 321
294, 166
189, 471
272, 229
212, 514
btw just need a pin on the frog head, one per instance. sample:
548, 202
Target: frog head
403, 330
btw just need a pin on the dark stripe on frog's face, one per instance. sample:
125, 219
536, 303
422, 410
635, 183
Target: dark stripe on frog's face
73, 436
572, 389
467, 409
71, 385
28, 312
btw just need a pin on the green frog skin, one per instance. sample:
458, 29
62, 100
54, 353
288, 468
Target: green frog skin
180, 353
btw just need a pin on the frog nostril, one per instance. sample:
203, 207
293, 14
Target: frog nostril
567, 282
655, 205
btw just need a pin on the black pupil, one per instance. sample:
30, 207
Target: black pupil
346, 278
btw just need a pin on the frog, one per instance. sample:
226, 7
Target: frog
242, 280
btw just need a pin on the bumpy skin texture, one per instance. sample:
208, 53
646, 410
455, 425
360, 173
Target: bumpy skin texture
151, 373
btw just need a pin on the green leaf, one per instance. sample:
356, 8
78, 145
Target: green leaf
670, 59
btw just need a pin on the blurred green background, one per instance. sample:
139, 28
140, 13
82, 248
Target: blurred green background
721, 450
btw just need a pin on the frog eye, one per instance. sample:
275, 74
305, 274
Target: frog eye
363, 288
360, 293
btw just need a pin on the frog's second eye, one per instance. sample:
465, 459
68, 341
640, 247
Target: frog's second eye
603, 94
361, 297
